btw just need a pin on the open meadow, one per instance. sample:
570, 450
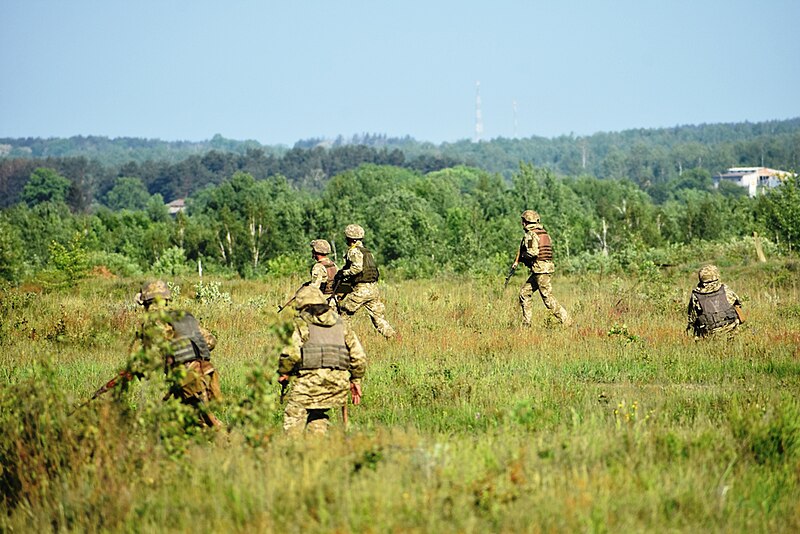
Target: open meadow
470, 423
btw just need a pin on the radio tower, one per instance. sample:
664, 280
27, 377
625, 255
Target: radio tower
478, 118
516, 123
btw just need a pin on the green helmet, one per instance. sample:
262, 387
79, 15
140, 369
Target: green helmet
152, 290
530, 216
708, 273
320, 246
354, 231
308, 295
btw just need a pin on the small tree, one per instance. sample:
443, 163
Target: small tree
781, 209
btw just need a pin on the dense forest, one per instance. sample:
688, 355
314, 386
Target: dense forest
609, 199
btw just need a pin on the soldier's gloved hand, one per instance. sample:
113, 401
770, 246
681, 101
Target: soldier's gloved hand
283, 379
355, 393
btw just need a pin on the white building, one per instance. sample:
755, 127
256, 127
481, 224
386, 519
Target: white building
753, 178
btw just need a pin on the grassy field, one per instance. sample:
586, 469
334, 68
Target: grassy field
620, 423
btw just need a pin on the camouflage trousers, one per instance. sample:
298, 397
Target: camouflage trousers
198, 387
312, 394
727, 332
541, 282
368, 297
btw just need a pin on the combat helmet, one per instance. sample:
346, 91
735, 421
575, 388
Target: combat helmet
321, 246
152, 290
308, 295
354, 231
708, 273
530, 216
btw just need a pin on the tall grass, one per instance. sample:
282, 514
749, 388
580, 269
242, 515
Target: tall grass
469, 423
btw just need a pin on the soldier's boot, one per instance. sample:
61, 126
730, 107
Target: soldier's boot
563, 316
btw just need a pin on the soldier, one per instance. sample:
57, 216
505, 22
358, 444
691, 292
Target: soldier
324, 270
713, 308
361, 273
536, 252
326, 360
185, 347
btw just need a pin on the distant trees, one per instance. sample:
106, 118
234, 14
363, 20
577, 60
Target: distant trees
780, 208
45, 185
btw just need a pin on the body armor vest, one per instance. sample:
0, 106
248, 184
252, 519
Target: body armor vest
369, 271
325, 348
188, 343
545, 248
330, 268
716, 310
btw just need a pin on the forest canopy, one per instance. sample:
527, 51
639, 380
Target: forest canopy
608, 200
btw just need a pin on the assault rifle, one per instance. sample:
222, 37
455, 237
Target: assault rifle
111, 384
280, 308
510, 274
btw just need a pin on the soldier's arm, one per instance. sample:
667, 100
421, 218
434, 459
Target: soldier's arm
319, 275
211, 339
356, 263
533, 245
290, 354
358, 358
732, 297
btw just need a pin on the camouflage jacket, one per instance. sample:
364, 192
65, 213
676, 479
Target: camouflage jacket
529, 245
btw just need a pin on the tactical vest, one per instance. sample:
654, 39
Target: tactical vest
545, 248
716, 310
331, 269
325, 348
188, 343
369, 272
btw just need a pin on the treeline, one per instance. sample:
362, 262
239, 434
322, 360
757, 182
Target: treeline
648, 157
458, 219
91, 182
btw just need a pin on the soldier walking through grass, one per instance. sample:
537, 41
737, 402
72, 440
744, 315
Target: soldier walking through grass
185, 348
323, 272
324, 361
714, 309
536, 252
361, 273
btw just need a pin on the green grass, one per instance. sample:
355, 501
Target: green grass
470, 423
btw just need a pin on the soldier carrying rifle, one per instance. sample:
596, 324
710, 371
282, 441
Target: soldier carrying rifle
183, 347
536, 252
324, 361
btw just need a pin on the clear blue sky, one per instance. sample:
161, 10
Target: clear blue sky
278, 72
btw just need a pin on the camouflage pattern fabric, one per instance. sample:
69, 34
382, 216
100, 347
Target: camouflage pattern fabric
530, 244
366, 295
200, 381
694, 309
319, 276
543, 284
315, 391
198, 387
539, 280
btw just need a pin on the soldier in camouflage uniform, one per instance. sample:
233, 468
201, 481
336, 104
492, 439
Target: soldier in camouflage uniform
324, 270
361, 273
536, 252
325, 360
714, 308
186, 350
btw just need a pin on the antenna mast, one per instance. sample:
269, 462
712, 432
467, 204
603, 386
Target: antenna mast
478, 117
516, 123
